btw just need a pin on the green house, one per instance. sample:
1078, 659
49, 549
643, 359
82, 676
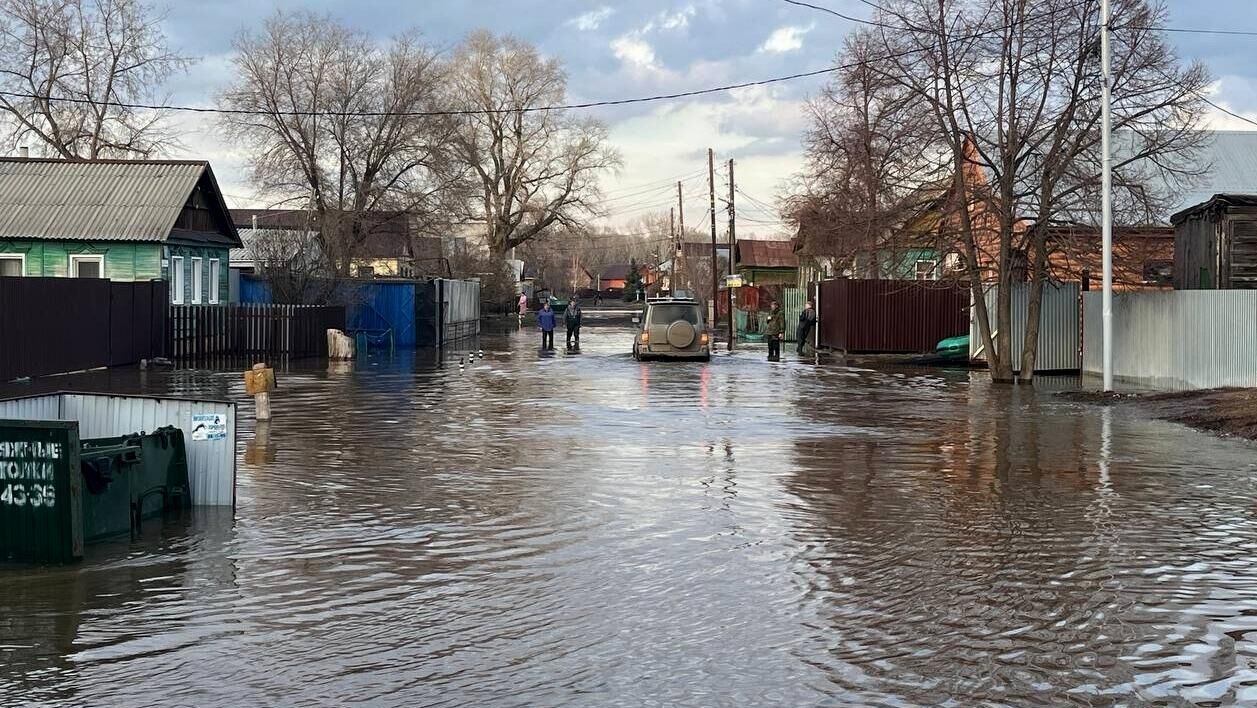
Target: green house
123, 220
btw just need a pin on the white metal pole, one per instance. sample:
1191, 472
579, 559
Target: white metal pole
1106, 145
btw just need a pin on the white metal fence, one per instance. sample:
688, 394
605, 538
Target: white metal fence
1180, 339
462, 308
1059, 340
211, 457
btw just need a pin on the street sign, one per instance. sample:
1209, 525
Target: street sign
733, 281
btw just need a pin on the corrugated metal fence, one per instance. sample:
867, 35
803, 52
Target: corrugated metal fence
211, 462
890, 316
1059, 341
461, 303
1180, 339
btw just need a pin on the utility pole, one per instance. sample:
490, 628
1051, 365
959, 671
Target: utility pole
681, 238
733, 249
672, 229
715, 259
1106, 146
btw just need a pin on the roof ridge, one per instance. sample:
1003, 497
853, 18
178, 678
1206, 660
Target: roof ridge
63, 161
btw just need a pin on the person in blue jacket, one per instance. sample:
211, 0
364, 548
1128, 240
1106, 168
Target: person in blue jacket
545, 320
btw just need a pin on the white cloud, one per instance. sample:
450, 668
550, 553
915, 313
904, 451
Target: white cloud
676, 20
785, 39
755, 126
591, 20
634, 51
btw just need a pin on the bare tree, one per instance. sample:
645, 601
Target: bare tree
536, 170
71, 69
342, 126
1011, 93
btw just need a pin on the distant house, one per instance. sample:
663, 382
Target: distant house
123, 220
1144, 252
386, 250
615, 277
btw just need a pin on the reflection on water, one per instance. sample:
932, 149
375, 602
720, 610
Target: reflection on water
586, 530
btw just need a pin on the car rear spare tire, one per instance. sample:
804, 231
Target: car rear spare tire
681, 334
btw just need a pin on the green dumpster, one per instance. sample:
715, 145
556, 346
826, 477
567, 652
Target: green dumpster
131, 478
57, 493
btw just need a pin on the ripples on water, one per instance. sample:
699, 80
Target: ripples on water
591, 531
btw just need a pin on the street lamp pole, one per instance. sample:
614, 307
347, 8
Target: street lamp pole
1106, 146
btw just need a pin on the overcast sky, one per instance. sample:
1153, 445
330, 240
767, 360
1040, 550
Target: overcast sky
643, 47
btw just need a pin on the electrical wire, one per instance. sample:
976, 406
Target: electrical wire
524, 109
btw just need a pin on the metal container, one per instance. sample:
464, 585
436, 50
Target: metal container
40, 492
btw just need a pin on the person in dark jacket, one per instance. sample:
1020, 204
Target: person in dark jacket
774, 331
572, 318
545, 320
807, 321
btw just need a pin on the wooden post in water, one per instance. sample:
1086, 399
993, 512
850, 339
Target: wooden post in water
260, 381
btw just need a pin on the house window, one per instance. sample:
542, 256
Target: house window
87, 266
176, 280
366, 271
1159, 272
12, 265
196, 281
215, 266
927, 269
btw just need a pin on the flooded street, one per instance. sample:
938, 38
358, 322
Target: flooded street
587, 530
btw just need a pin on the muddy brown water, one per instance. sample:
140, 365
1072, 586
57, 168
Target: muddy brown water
586, 530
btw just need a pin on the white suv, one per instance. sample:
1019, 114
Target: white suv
672, 329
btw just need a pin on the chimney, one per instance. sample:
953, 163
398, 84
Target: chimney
24, 152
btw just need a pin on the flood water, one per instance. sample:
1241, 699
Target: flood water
586, 531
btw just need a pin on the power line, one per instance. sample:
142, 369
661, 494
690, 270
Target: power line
525, 109
835, 13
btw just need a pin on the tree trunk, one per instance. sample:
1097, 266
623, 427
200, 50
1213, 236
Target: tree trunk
1030, 347
1002, 365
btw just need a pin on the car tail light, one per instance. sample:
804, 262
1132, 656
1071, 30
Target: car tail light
703, 339
645, 337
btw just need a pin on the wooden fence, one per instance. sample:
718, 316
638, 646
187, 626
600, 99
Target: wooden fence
59, 325
296, 331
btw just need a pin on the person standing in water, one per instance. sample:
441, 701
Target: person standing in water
807, 322
774, 331
523, 306
545, 320
572, 318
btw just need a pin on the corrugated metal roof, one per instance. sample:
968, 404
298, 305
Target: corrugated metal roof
1232, 159
767, 254
107, 200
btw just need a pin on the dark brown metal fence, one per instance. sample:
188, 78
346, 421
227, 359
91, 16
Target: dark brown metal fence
203, 331
891, 316
58, 325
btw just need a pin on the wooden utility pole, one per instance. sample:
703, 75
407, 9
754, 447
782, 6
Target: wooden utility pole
733, 249
715, 259
681, 237
672, 228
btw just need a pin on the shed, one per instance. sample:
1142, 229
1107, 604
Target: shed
767, 262
1215, 244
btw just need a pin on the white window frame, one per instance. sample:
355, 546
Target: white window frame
15, 256
78, 258
215, 273
198, 281
932, 274
177, 276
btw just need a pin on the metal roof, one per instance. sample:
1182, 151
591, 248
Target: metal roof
101, 200
1232, 159
767, 254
